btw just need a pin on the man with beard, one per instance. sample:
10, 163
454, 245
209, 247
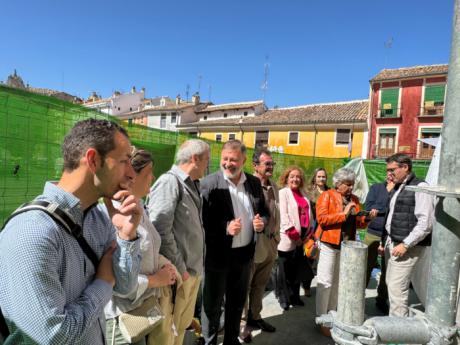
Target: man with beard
233, 211
50, 292
266, 247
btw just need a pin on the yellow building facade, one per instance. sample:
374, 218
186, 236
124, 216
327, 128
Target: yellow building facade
332, 130
319, 143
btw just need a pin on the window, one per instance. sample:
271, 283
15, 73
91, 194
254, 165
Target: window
118, 108
231, 136
163, 121
386, 142
245, 113
130, 122
218, 137
205, 117
342, 136
225, 114
261, 139
434, 99
293, 138
130, 109
389, 102
194, 134
427, 150
173, 118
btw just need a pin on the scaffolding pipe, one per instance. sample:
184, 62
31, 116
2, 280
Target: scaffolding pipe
445, 259
352, 283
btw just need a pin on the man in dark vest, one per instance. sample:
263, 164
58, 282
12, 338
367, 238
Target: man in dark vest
408, 228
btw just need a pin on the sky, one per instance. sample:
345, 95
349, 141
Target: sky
317, 51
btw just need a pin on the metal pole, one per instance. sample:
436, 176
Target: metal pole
443, 282
352, 281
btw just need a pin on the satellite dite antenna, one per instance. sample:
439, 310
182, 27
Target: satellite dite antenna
187, 91
264, 86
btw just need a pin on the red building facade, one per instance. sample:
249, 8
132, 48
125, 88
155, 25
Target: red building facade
406, 104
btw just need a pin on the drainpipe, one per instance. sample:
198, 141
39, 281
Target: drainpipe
241, 130
314, 142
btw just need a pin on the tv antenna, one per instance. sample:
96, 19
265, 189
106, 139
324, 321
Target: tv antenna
387, 45
264, 86
199, 83
187, 91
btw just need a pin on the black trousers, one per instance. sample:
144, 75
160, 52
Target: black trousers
233, 285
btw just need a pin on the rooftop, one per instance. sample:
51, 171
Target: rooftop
408, 72
338, 112
230, 106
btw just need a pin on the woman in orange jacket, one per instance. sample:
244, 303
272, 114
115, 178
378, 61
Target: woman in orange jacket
336, 214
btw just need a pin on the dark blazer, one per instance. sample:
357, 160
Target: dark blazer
218, 212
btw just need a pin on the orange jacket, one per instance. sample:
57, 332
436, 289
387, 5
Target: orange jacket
330, 216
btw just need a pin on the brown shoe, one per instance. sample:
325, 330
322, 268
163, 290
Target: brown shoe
326, 331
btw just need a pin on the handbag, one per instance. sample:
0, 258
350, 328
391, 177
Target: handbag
137, 323
311, 246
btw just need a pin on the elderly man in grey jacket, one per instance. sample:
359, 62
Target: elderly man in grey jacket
175, 209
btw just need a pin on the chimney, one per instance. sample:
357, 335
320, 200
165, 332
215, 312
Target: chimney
133, 89
143, 90
178, 100
196, 99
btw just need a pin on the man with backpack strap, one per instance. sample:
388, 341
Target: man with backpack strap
50, 291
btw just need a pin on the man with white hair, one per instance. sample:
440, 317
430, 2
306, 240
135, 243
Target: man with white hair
175, 206
233, 210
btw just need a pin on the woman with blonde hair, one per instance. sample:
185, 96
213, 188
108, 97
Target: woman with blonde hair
295, 224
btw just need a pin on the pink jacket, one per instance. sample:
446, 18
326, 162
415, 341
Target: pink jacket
289, 217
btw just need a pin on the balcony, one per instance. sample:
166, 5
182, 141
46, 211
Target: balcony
425, 152
385, 113
432, 110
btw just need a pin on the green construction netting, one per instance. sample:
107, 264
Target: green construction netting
32, 128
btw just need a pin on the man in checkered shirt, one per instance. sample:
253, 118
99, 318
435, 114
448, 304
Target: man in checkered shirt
50, 292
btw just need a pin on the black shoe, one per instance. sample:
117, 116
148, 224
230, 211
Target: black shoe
285, 306
382, 306
261, 324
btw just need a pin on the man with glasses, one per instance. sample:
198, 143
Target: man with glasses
266, 247
407, 231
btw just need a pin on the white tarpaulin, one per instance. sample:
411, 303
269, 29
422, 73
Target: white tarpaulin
361, 185
423, 266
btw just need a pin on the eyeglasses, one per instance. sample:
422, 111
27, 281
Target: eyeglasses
392, 170
268, 164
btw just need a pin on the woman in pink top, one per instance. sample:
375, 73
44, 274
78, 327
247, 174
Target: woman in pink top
296, 223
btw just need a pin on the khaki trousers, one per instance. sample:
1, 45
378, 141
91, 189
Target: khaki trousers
399, 272
260, 274
327, 276
177, 317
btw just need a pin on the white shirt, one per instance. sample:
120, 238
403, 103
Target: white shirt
423, 211
242, 208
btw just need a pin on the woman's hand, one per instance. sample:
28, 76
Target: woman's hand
373, 213
164, 277
348, 208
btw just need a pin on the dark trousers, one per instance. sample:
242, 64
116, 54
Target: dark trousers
233, 284
373, 243
293, 268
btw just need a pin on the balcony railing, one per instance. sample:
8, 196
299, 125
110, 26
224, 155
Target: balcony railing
435, 110
389, 113
423, 153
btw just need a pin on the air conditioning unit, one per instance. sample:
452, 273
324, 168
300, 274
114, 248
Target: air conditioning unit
429, 105
387, 106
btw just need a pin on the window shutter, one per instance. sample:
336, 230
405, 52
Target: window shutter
342, 136
389, 102
435, 93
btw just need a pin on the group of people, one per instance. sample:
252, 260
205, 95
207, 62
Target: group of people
203, 246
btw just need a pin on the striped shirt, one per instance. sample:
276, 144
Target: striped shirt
48, 293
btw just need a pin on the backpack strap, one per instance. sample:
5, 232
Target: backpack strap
63, 219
